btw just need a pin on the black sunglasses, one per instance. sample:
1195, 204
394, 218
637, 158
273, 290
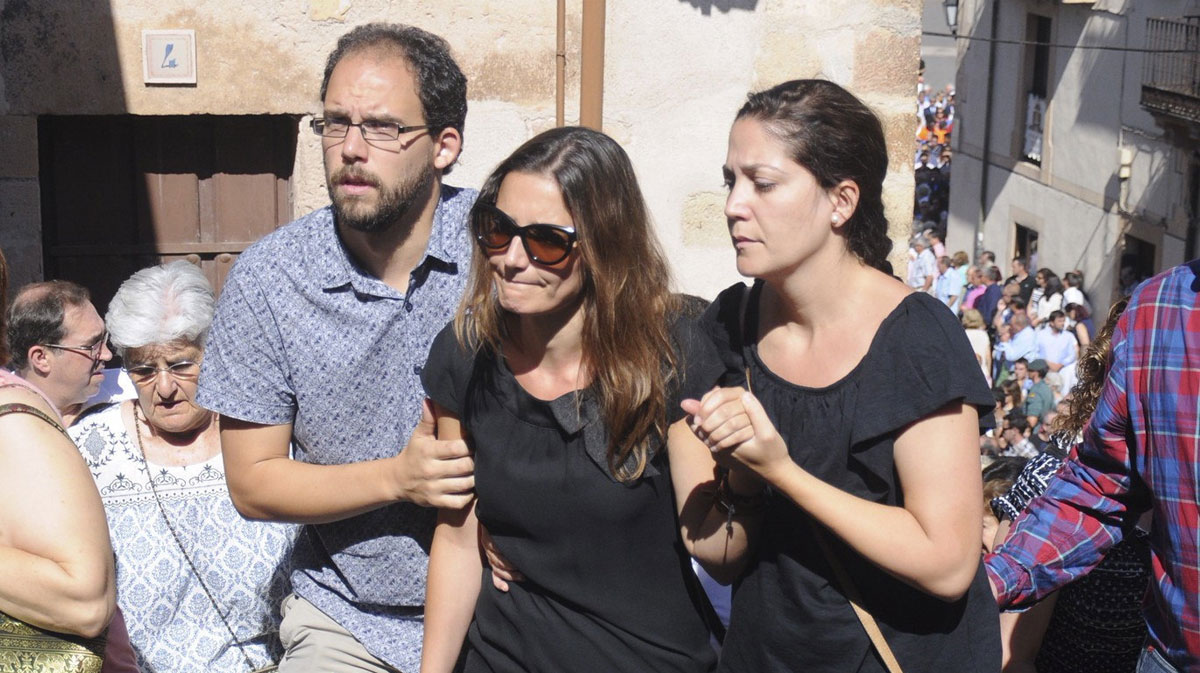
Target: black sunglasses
546, 244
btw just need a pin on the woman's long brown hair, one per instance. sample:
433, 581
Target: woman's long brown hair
627, 299
1092, 371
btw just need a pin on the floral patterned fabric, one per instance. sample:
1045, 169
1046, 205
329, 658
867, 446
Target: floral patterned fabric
173, 625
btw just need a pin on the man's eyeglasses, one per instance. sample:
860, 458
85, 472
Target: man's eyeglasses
181, 371
94, 351
546, 244
376, 130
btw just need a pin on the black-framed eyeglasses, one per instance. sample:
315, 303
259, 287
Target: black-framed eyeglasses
94, 351
372, 129
546, 244
184, 370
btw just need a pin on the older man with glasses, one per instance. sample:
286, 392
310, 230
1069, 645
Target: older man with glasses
58, 343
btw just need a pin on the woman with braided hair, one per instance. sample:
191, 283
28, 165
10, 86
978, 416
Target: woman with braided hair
850, 416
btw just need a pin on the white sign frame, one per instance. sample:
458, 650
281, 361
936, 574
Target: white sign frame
169, 56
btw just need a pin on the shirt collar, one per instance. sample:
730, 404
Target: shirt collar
341, 269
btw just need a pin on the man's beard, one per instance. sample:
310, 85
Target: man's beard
394, 202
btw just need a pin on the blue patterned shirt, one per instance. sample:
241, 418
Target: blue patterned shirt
304, 335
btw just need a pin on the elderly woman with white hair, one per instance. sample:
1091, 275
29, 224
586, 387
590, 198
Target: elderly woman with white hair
199, 585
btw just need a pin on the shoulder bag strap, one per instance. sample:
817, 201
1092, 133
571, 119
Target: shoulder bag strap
843, 578
22, 408
864, 617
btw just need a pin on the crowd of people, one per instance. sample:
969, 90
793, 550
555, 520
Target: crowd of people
1027, 330
1036, 342
936, 115
429, 428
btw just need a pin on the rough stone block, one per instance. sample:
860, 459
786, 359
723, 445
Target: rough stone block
786, 54
18, 137
21, 230
898, 207
328, 10
886, 62
703, 220
899, 130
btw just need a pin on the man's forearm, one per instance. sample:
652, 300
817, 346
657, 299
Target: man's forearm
266, 483
284, 489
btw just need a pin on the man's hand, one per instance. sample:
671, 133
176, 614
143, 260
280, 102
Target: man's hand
503, 572
433, 472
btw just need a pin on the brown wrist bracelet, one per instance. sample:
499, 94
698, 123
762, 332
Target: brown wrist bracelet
731, 503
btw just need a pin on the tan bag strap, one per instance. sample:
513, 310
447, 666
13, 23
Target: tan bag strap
864, 617
843, 578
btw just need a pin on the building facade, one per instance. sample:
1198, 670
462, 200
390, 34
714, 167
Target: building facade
104, 172
1079, 136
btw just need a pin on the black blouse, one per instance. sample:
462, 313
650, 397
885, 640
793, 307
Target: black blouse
788, 614
609, 584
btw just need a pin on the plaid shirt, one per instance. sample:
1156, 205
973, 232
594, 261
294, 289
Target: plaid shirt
1140, 451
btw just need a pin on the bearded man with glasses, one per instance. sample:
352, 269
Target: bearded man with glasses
320, 336
58, 343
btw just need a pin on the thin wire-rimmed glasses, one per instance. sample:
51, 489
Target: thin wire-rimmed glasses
94, 351
547, 244
184, 370
372, 129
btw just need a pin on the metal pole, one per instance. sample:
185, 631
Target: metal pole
560, 65
591, 67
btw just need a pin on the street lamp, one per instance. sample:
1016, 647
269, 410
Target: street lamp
951, 7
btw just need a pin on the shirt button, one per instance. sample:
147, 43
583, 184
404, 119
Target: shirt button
417, 369
408, 306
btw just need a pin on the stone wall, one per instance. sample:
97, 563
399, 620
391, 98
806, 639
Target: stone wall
675, 73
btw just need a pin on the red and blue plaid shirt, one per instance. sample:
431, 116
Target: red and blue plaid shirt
1140, 451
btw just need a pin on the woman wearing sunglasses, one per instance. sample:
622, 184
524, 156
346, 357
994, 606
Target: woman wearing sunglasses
857, 402
564, 368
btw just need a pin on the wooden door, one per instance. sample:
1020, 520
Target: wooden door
120, 193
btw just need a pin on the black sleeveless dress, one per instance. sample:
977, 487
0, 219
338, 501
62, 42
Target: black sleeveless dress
788, 614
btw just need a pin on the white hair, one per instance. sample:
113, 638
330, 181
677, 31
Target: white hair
161, 304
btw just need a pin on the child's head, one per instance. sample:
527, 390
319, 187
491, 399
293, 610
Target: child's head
998, 478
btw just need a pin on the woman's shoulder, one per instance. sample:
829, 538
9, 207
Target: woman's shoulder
16, 390
448, 369
28, 419
12, 393
920, 318
920, 361
722, 320
924, 335
698, 362
721, 325
448, 351
21, 405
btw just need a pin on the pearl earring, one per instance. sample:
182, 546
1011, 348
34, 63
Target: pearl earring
835, 219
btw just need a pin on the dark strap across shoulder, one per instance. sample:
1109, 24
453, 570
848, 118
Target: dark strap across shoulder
22, 408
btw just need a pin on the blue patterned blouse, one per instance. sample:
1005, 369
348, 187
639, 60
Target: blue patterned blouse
173, 626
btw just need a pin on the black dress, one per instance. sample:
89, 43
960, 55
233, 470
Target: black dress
788, 614
609, 584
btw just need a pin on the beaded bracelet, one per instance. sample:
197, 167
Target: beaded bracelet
730, 503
